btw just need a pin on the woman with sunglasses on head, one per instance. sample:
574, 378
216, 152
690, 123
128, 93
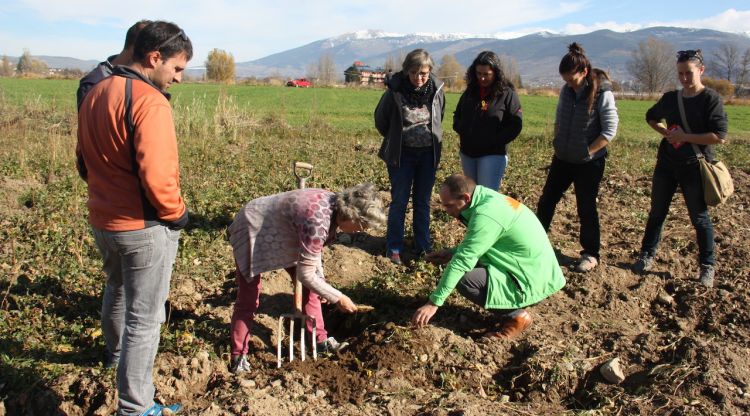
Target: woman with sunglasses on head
487, 119
677, 161
409, 116
585, 123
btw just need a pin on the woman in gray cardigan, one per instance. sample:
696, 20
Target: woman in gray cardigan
585, 123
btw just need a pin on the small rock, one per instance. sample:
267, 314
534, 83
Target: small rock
195, 363
276, 383
723, 293
665, 299
612, 372
320, 393
167, 412
202, 355
740, 392
424, 357
504, 398
569, 367
249, 384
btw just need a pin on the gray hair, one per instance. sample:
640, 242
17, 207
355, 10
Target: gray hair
362, 204
417, 59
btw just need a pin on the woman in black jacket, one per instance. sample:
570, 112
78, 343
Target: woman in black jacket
409, 116
487, 118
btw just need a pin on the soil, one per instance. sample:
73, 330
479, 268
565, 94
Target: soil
684, 349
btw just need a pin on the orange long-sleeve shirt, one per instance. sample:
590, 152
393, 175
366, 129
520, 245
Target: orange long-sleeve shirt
134, 183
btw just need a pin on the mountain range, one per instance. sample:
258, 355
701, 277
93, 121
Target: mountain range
536, 55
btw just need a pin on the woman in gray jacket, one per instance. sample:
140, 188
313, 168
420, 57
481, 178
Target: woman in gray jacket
585, 123
409, 116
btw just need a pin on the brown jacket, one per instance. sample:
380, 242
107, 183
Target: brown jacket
134, 183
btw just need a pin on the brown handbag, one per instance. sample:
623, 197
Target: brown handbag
717, 182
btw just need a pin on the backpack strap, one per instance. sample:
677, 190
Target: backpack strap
129, 123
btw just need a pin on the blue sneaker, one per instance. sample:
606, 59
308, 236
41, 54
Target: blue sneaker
158, 410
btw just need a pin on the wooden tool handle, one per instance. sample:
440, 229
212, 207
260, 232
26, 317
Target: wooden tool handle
297, 295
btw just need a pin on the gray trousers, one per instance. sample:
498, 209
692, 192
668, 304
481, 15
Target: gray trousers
138, 265
473, 286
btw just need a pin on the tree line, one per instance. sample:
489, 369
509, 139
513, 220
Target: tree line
651, 67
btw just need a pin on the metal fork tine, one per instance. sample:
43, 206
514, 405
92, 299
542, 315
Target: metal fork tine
291, 340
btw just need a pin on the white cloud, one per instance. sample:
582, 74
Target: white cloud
252, 29
735, 21
731, 20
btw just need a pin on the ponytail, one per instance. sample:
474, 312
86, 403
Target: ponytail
576, 61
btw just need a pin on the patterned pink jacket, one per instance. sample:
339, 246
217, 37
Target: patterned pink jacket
285, 230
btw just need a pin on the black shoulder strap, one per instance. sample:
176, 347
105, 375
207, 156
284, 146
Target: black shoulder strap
129, 124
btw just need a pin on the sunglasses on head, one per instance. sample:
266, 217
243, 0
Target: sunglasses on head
180, 34
690, 54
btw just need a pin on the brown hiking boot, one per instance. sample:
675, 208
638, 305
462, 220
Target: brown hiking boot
513, 326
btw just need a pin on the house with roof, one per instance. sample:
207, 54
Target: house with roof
361, 74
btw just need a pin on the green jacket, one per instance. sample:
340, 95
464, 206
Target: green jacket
506, 237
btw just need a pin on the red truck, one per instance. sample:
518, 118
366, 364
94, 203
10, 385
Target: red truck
299, 82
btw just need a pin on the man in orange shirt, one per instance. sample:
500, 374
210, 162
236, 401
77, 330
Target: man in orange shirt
127, 154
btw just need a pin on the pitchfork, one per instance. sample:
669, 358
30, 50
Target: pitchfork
302, 171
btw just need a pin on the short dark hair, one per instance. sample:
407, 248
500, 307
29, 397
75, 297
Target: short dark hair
133, 32
690, 55
458, 185
165, 37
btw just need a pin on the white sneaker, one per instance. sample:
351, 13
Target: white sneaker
240, 364
587, 263
331, 345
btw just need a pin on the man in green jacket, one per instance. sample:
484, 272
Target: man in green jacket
505, 261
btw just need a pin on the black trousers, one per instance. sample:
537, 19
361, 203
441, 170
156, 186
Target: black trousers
586, 177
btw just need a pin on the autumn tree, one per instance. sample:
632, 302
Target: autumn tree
743, 76
724, 87
510, 68
725, 62
451, 72
6, 67
28, 65
393, 61
326, 70
652, 65
220, 66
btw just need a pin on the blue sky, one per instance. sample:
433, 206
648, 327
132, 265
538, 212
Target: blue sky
253, 29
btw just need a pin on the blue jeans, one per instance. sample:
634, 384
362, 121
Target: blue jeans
138, 265
487, 171
663, 186
586, 177
415, 176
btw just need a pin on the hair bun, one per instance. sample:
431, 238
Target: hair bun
575, 48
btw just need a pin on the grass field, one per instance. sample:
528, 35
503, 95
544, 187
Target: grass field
236, 143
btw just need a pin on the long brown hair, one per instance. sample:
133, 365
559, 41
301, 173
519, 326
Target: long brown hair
576, 60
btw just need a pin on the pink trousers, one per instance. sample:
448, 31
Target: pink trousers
248, 299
